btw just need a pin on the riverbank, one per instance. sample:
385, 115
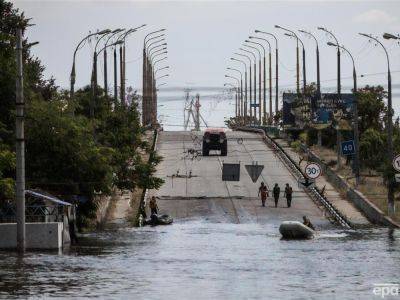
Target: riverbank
122, 208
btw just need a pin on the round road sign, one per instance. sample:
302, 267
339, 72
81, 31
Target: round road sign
396, 163
313, 170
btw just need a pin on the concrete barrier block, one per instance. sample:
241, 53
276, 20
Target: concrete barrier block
38, 235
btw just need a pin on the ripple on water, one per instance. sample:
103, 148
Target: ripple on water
198, 259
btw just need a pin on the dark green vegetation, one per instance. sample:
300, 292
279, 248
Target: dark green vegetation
67, 152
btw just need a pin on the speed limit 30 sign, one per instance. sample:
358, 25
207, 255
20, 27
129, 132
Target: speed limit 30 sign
313, 170
396, 163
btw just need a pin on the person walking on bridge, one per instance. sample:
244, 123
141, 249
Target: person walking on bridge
263, 190
288, 194
276, 191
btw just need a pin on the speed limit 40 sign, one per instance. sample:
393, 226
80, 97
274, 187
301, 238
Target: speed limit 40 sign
313, 170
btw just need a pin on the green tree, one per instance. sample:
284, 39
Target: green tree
371, 108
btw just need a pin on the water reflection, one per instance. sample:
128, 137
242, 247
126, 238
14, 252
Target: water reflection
206, 260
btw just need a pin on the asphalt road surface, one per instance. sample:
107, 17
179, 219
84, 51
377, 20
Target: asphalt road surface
194, 188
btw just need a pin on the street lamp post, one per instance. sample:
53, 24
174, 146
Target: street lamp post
265, 80
238, 84
259, 76
338, 59
318, 67
105, 68
240, 100
255, 84
105, 59
339, 88
248, 100
73, 74
297, 58
94, 74
276, 66
391, 206
123, 60
146, 74
236, 98
356, 163
153, 89
244, 101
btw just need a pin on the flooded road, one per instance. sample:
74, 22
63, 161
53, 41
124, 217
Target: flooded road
222, 245
194, 259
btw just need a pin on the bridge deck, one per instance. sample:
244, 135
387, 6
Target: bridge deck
205, 196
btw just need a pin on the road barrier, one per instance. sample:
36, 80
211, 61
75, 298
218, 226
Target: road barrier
298, 173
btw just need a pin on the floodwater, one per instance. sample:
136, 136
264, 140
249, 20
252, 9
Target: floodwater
200, 260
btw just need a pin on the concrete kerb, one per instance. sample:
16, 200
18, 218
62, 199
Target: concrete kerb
296, 171
369, 209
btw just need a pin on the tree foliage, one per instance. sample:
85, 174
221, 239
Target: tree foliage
67, 152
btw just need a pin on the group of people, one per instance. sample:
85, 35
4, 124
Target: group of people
276, 191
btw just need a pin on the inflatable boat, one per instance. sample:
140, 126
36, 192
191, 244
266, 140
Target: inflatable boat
295, 230
159, 220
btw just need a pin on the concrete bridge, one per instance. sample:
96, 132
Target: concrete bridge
194, 188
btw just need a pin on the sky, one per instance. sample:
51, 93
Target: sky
203, 35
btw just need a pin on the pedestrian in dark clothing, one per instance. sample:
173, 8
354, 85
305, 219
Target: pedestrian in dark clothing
276, 191
288, 194
153, 206
307, 222
263, 190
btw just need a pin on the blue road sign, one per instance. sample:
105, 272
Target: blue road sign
348, 148
254, 105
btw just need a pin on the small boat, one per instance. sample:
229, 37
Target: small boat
295, 230
159, 220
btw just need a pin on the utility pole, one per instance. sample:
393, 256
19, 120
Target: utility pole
121, 76
20, 147
105, 73
115, 78
197, 110
144, 85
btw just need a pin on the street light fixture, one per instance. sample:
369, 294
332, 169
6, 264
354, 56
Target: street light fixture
236, 90
157, 52
244, 103
73, 74
276, 66
150, 46
240, 100
355, 116
389, 36
297, 58
255, 83
166, 75
150, 50
160, 69
259, 79
338, 135
149, 105
265, 75
391, 206
318, 67
248, 100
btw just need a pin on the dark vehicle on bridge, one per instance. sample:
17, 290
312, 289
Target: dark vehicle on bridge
215, 139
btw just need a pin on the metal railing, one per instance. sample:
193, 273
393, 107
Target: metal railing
299, 175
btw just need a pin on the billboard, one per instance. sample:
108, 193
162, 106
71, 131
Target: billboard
318, 111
